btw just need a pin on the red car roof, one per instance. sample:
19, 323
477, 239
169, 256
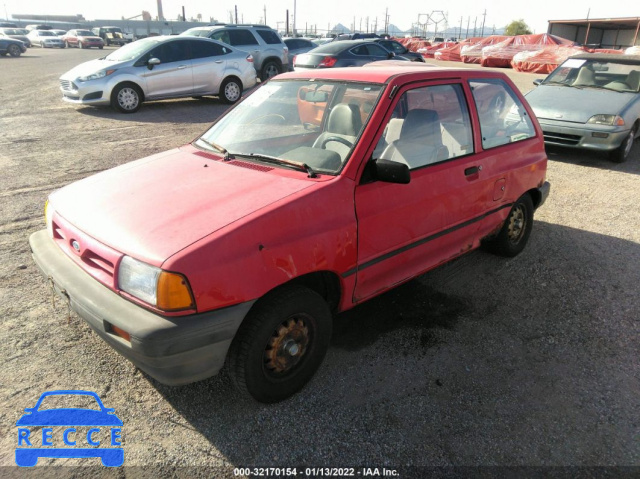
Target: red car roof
378, 72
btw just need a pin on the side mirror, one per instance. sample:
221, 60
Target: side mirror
153, 62
391, 172
391, 55
537, 81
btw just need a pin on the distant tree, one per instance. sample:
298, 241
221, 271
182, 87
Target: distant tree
517, 27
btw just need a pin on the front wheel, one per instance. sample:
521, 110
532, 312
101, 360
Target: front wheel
126, 98
270, 69
14, 50
281, 344
230, 90
515, 232
621, 154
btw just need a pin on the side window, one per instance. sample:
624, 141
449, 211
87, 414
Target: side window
206, 49
377, 51
242, 37
395, 47
428, 125
222, 36
359, 50
502, 117
269, 36
170, 52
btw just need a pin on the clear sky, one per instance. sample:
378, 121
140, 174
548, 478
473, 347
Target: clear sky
324, 12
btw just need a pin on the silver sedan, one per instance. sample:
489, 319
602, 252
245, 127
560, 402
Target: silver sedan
157, 68
591, 101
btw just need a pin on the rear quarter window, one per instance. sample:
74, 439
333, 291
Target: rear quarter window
242, 37
269, 37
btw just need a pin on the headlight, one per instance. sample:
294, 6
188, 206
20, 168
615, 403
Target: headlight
606, 120
95, 76
48, 217
162, 289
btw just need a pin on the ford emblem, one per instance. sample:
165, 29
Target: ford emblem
76, 245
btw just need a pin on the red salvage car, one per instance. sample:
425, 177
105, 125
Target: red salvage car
317, 192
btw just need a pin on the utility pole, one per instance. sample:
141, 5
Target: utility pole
184, 18
466, 35
287, 24
386, 21
484, 17
265, 14
236, 14
294, 17
367, 24
375, 26
460, 32
360, 25
475, 22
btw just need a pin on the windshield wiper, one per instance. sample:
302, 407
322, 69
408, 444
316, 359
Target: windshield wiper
221, 149
279, 161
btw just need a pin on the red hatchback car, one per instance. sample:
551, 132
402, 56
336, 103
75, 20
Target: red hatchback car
317, 192
82, 39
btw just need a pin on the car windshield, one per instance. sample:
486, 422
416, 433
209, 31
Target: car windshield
45, 33
84, 33
312, 122
197, 33
623, 76
132, 51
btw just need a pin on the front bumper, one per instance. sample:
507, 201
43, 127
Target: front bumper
173, 350
94, 92
544, 193
576, 135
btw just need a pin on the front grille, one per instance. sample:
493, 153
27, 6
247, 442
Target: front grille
66, 85
561, 138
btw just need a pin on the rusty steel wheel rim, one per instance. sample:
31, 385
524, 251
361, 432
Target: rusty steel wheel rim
287, 345
517, 224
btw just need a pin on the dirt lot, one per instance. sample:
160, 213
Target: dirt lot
531, 361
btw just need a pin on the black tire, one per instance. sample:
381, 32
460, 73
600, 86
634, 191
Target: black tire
621, 154
515, 232
100, 47
280, 344
230, 90
126, 98
270, 69
14, 51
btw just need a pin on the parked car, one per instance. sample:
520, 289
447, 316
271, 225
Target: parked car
342, 53
157, 68
82, 39
238, 248
10, 46
110, 35
8, 25
297, 46
16, 34
400, 50
45, 39
270, 54
591, 101
356, 36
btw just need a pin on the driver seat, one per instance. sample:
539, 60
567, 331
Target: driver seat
344, 122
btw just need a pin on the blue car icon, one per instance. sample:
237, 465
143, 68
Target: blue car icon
28, 456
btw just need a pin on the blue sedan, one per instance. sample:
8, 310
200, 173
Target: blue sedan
9, 46
347, 53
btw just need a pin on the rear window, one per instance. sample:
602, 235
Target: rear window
269, 36
242, 37
332, 47
197, 33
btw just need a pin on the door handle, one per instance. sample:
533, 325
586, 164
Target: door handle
472, 170
218, 61
182, 67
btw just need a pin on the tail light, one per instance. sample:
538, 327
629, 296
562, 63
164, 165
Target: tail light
250, 58
327, 62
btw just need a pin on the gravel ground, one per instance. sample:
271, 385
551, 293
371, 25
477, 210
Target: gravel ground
530, 361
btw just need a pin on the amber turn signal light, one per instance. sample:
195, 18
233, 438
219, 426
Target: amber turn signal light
174, 292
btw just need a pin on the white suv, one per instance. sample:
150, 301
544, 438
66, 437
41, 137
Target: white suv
270, 54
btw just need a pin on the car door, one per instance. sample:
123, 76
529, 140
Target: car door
209, 62
173, 76
406, 229
505, 126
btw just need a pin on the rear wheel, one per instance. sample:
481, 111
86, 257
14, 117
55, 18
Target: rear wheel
281, 344
126, 98
515, 232
270, 69
621, 154
14, 50
230, 90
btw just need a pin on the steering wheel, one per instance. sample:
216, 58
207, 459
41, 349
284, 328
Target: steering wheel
336, 138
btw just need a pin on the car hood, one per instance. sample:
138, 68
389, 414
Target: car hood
576, 104
92, 66
154, 207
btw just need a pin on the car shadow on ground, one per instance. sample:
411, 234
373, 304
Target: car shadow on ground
189, 110
594, 159
468, 359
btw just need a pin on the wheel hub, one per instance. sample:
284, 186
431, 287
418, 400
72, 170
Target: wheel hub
516, 225
287, 345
